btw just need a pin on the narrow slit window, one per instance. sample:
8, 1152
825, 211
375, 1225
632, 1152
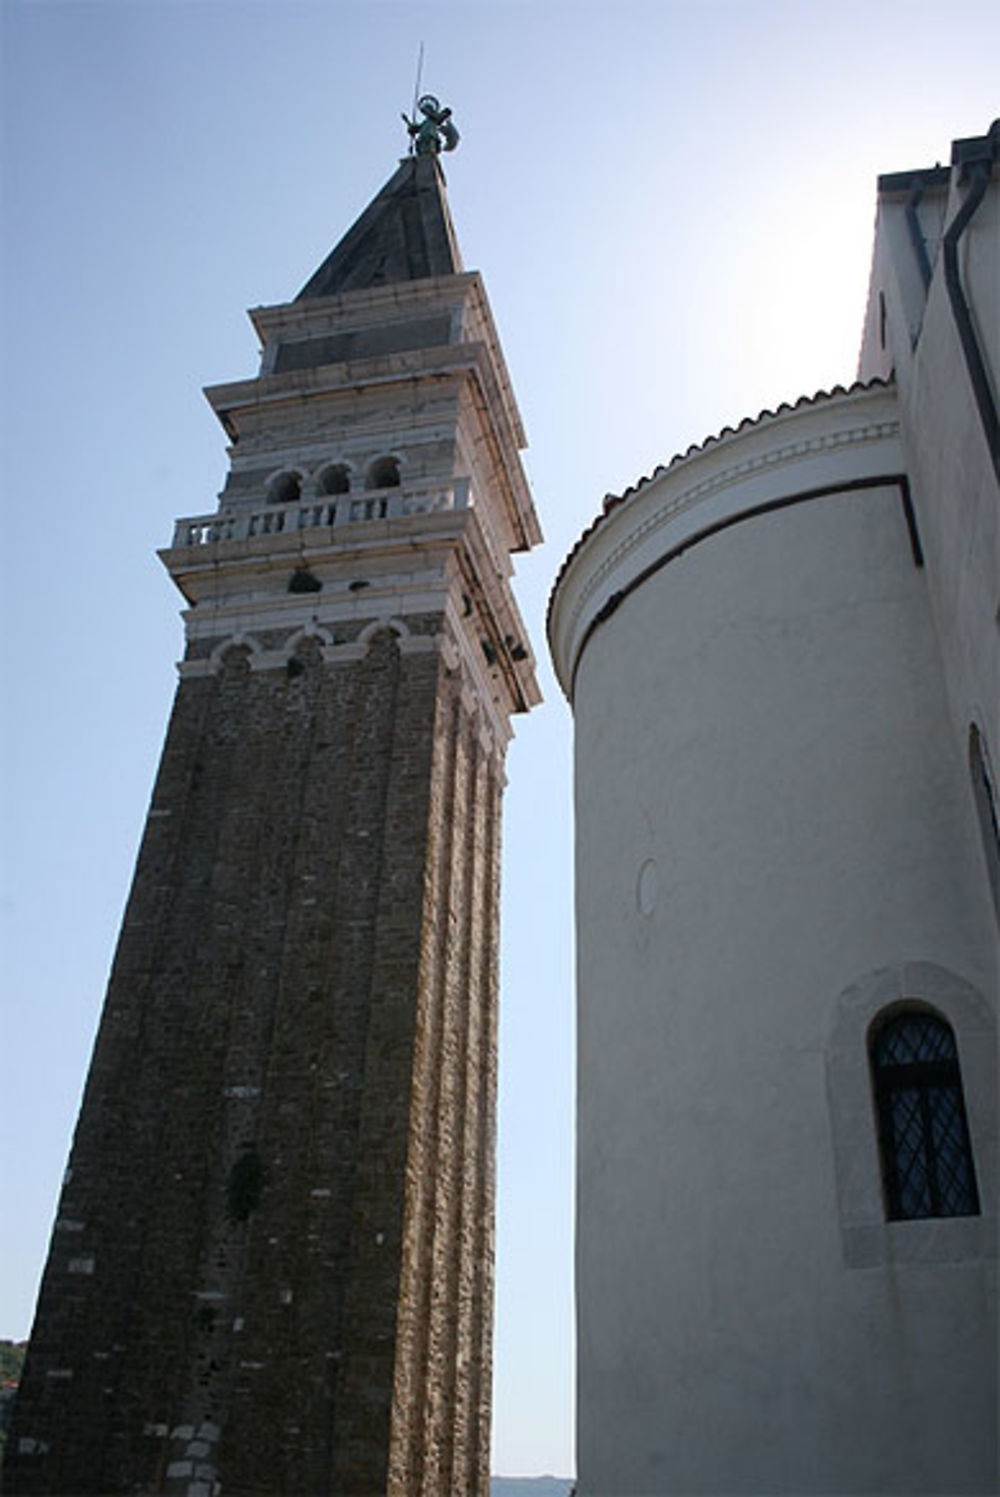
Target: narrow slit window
926, 1156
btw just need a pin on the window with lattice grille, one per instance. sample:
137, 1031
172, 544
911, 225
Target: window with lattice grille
927, 1166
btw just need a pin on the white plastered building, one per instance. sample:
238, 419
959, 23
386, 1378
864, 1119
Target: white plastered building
783, 655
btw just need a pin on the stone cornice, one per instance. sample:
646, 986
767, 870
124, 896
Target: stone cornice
837, 441
350, 550
481, 691
292, 387
361, 307
468, 364
383, 304
403, 568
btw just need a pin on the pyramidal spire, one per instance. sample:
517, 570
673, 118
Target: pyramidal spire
405, 234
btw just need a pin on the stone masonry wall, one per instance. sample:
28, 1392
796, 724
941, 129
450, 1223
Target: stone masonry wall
271, 1268
443, 1377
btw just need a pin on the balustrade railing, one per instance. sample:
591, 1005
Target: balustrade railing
344, 509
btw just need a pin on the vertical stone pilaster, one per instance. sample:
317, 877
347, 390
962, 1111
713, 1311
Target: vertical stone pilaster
439, 1403
414, 1380
469, 1471
445, 1296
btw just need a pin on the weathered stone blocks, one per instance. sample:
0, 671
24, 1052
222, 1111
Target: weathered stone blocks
281, 1180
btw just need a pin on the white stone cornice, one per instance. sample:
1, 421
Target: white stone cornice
398, 567
237, 638
483, 694
419, 644
675, 504
361, 548
345, 653
299, 385
191, 669
380, 625
269, 660
325, 610
834, 443
277, 403
363, 307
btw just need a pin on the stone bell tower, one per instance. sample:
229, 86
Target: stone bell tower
271, 1269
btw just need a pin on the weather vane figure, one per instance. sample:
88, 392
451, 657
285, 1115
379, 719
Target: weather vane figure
436, 132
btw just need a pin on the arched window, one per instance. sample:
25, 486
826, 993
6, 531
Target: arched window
285, 489
336, 479
927, 1167
384, 473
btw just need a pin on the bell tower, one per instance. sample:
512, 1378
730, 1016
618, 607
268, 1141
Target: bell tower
271, 1268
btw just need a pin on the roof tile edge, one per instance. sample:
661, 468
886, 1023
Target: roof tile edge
614, 501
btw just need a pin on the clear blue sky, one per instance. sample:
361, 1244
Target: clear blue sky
672, 207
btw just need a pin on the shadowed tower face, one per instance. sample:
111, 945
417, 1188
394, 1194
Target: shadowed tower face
271, 1270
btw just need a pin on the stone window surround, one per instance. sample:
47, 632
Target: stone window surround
868, 1238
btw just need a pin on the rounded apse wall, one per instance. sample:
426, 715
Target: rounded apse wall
771, 813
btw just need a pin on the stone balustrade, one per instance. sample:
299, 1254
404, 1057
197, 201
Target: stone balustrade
327, 510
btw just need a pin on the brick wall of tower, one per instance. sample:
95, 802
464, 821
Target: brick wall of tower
277, 1223
443, 1376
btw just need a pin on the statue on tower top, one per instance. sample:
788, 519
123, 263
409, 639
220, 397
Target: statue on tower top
436, 132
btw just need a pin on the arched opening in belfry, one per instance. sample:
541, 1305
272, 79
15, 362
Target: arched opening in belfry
335, 479
286, 488
383, 473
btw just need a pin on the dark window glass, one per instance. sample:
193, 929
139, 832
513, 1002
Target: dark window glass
927, 1167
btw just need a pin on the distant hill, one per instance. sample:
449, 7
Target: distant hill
530, 1486
12, 1358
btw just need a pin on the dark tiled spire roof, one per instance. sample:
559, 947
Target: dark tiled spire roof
405, 234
